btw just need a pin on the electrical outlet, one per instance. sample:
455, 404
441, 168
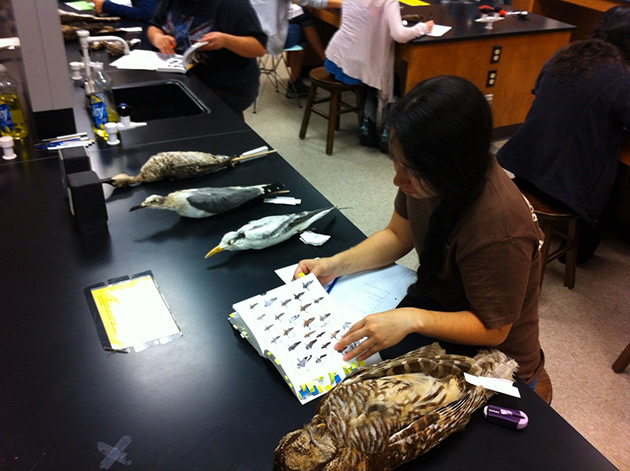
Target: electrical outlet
492, 78
496, 54
489, 98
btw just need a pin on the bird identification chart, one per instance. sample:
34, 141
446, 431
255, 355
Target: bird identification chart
133, 313
296, 326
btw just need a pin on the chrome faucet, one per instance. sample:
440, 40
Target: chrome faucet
85, 40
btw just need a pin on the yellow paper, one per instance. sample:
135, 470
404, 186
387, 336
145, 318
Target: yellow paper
414, 3
134, 313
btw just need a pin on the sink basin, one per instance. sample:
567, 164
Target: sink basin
158, 100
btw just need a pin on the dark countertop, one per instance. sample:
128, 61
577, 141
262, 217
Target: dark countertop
461, 17
205, 400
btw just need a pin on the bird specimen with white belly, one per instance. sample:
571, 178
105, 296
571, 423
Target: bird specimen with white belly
208, 201
268, 231
384, 415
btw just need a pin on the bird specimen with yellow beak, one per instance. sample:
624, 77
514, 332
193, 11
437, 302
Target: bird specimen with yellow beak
208, 201
268, 231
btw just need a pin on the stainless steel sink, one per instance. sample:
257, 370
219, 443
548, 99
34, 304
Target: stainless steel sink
158, 100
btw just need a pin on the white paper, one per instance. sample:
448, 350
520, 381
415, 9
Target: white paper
366, 292
500, 385
374, 290
439, 30
312, 238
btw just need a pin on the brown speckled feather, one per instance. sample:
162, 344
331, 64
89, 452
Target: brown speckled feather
382, 416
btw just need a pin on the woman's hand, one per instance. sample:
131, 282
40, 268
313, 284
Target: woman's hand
98, 6
165, 43
379, 331
215, 40
430, 24
323, 268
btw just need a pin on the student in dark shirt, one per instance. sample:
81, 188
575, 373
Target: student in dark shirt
235, 38
569, 145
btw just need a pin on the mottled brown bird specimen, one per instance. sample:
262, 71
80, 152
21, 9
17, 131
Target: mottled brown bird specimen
384, 415
177, 166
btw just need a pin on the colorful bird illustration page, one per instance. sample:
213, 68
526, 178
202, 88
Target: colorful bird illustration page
296, 327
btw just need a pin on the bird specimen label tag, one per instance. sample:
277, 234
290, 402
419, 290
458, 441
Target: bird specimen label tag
504, 386
133, 313
296, 327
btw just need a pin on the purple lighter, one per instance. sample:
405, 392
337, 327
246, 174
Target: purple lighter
511, 418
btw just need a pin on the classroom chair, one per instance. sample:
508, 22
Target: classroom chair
558, 220
269, 65
321, 79
544, 388
622, 362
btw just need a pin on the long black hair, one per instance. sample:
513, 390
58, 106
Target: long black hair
442, 129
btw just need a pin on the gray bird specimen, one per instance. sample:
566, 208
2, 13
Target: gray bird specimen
208, 201
178, 165
384, 415
268, 231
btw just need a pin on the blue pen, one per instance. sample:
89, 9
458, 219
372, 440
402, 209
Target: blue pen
332, 284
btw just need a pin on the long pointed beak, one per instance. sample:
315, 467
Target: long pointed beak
134, 208
214, 251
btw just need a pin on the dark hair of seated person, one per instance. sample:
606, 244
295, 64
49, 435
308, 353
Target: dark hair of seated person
443, 128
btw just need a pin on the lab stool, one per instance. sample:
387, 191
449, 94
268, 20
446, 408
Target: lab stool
554, 219
268, 65
543, 387
622, 362
320, 78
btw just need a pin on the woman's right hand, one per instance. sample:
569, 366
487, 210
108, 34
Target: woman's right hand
323, 268
430, 24
166, 44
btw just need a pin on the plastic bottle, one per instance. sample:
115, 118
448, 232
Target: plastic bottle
101, 98
11, 116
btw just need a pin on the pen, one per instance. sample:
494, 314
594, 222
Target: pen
65, 137
332, 284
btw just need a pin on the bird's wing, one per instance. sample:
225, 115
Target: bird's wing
429, 430
219, 200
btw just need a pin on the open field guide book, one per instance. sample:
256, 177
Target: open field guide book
297, 325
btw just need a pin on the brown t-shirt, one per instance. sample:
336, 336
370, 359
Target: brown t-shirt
491, 266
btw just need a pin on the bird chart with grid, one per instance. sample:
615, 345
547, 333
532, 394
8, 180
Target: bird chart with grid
296, 327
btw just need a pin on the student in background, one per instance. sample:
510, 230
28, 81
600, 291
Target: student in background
476, 236
569, 145
362, 50
285, 32
140, 10
234, 36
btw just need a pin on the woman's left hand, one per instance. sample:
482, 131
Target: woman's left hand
215, 40
379, 331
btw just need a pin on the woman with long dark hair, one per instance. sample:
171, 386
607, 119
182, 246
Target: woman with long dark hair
476, 236
568, 147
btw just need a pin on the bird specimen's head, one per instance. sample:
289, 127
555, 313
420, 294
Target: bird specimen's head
153, 201
308, 448
233, 240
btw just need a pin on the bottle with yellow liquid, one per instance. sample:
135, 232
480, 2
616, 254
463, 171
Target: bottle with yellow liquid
101, 98
11, 116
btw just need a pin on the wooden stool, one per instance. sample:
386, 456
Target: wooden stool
623, 361
543, 387
554, 219
320, 78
